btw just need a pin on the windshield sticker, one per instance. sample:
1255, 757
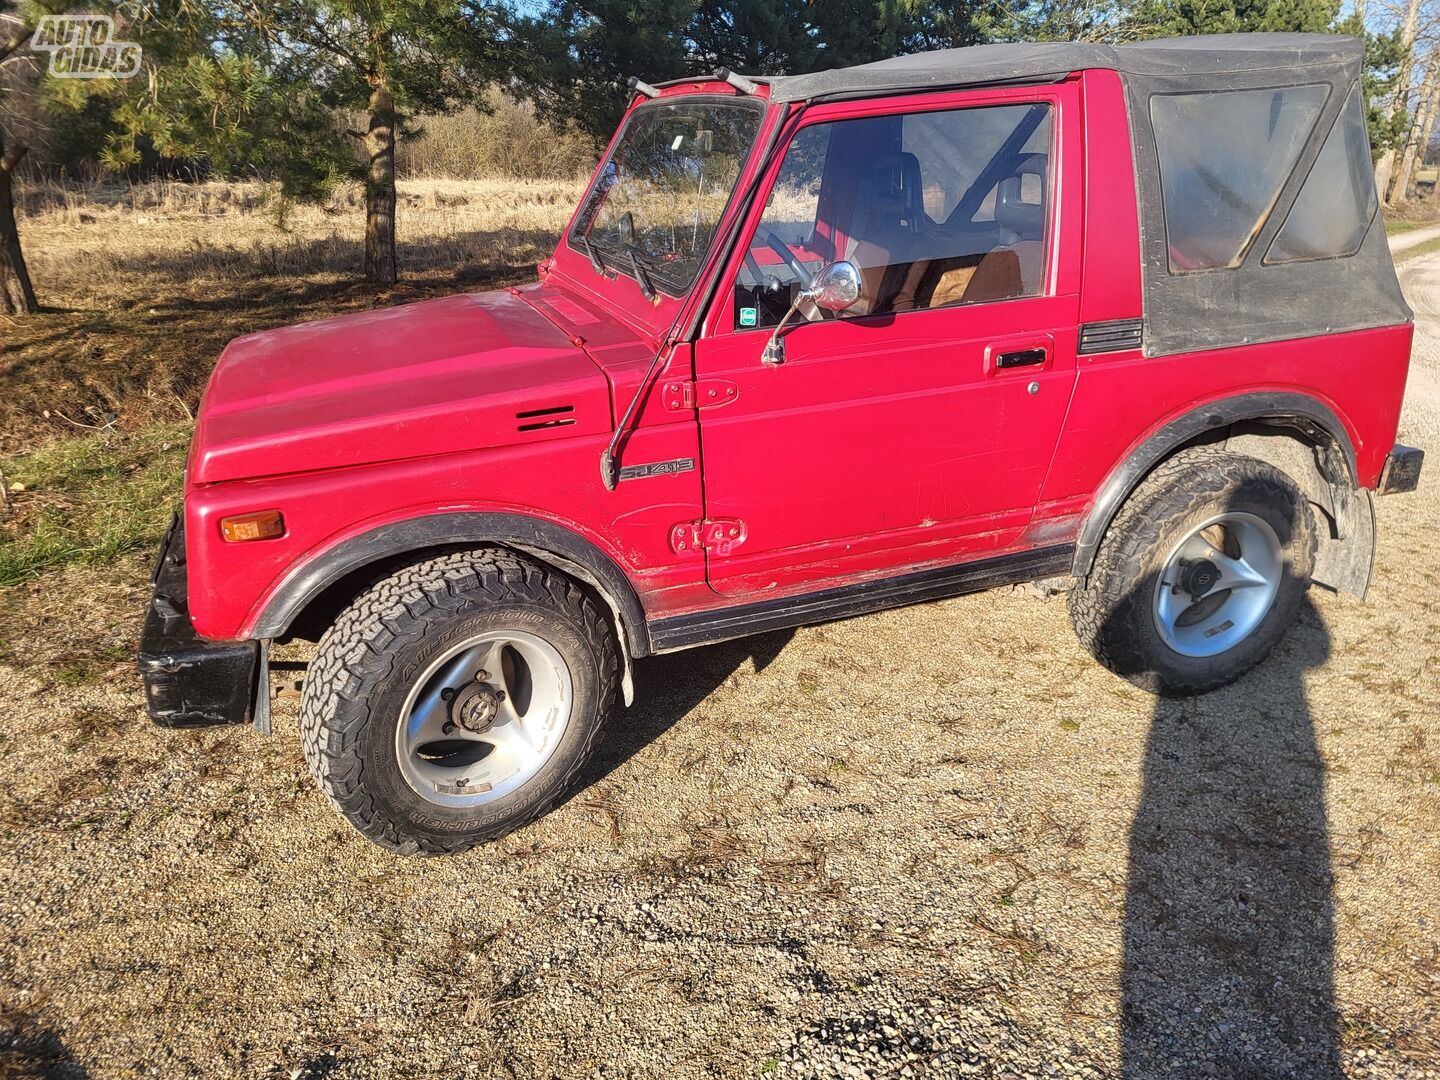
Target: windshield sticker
749, 316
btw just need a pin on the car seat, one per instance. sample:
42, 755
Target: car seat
1022, 226
884, 237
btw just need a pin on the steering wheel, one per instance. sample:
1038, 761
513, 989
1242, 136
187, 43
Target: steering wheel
775, 244
753, 268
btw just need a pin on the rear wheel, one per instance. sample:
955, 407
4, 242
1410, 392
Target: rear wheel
1199, 575
456, 700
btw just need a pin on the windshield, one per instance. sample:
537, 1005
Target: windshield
660, 195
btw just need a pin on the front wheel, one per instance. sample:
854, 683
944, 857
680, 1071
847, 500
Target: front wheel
457, 699
1199, 575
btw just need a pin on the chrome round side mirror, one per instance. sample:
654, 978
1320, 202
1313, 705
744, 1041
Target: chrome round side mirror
836, 287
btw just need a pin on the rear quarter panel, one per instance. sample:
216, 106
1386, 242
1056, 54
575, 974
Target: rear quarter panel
1121, 398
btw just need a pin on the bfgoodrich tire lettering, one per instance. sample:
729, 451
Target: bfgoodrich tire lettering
367, 664
1114, 613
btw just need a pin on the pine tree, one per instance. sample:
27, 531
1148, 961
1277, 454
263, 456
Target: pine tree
574, 58
1166, 18
276, 72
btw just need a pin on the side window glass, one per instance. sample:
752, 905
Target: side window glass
933, 208
788, 234
1224, 156
1337, 201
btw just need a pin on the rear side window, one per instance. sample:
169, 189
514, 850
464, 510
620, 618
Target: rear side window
1224, 156
1337, 202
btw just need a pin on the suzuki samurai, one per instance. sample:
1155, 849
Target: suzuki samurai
1123, 319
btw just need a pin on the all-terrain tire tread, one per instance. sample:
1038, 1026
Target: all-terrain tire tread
1181, 486
358, 651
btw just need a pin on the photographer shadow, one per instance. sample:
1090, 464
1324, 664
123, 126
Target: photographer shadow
1229, 911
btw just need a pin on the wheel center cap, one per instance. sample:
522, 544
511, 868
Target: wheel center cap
1199, 578
475, 707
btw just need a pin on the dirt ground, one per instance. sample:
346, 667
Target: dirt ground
939, 841
141, 286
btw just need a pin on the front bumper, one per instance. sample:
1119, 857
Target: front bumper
189, 681
1402, 470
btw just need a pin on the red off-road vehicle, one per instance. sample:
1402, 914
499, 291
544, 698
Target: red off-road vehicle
813, 346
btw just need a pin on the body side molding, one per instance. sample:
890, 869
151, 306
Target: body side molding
846, 601
1298, 411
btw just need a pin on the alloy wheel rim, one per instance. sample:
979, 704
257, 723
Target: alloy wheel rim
484, 718
1218, 584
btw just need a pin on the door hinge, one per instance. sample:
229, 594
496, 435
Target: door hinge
682, 396
719, 536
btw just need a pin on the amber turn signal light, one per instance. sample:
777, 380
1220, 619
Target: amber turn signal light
264, 525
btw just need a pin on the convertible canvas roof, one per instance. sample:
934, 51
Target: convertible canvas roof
1203, 56
1242, 305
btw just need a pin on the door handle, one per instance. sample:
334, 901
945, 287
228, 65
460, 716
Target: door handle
1021, 357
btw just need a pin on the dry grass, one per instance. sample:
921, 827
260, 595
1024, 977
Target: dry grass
1415, 214
143, 286
509, 140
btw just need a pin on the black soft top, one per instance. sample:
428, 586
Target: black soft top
1183, 311
1209, 55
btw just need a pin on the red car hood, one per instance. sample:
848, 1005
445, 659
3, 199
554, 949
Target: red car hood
461, 373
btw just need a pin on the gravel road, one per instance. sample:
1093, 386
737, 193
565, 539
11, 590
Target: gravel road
1414, 238
931, 842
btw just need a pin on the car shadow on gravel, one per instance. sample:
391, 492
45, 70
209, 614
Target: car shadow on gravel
1228, 938
667, 688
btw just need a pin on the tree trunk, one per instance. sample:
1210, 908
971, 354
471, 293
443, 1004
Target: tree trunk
1383, 168
1426, 129
17, 296
1400, 183
1400, 98
380, 189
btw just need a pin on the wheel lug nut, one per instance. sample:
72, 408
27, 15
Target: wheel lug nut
447, 727
499, 695
447, 694
482, 676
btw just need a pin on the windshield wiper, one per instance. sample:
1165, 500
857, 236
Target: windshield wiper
588, 246
647, 287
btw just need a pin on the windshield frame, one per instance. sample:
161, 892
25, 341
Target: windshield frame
615, 258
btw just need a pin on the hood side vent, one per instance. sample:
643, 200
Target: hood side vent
546, 418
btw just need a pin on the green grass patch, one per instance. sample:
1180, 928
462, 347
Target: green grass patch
89, 500
1429, 247
1395, 228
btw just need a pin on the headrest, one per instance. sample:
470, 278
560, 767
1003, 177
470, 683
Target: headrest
890, 192
1013, 212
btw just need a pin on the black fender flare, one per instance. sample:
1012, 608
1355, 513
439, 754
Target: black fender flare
1298, 411
554, 544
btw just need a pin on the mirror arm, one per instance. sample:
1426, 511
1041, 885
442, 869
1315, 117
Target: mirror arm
835, 288
775, 348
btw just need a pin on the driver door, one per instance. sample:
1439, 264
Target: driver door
916, 428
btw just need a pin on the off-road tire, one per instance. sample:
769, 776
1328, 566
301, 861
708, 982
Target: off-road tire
368, 660
1113, 612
